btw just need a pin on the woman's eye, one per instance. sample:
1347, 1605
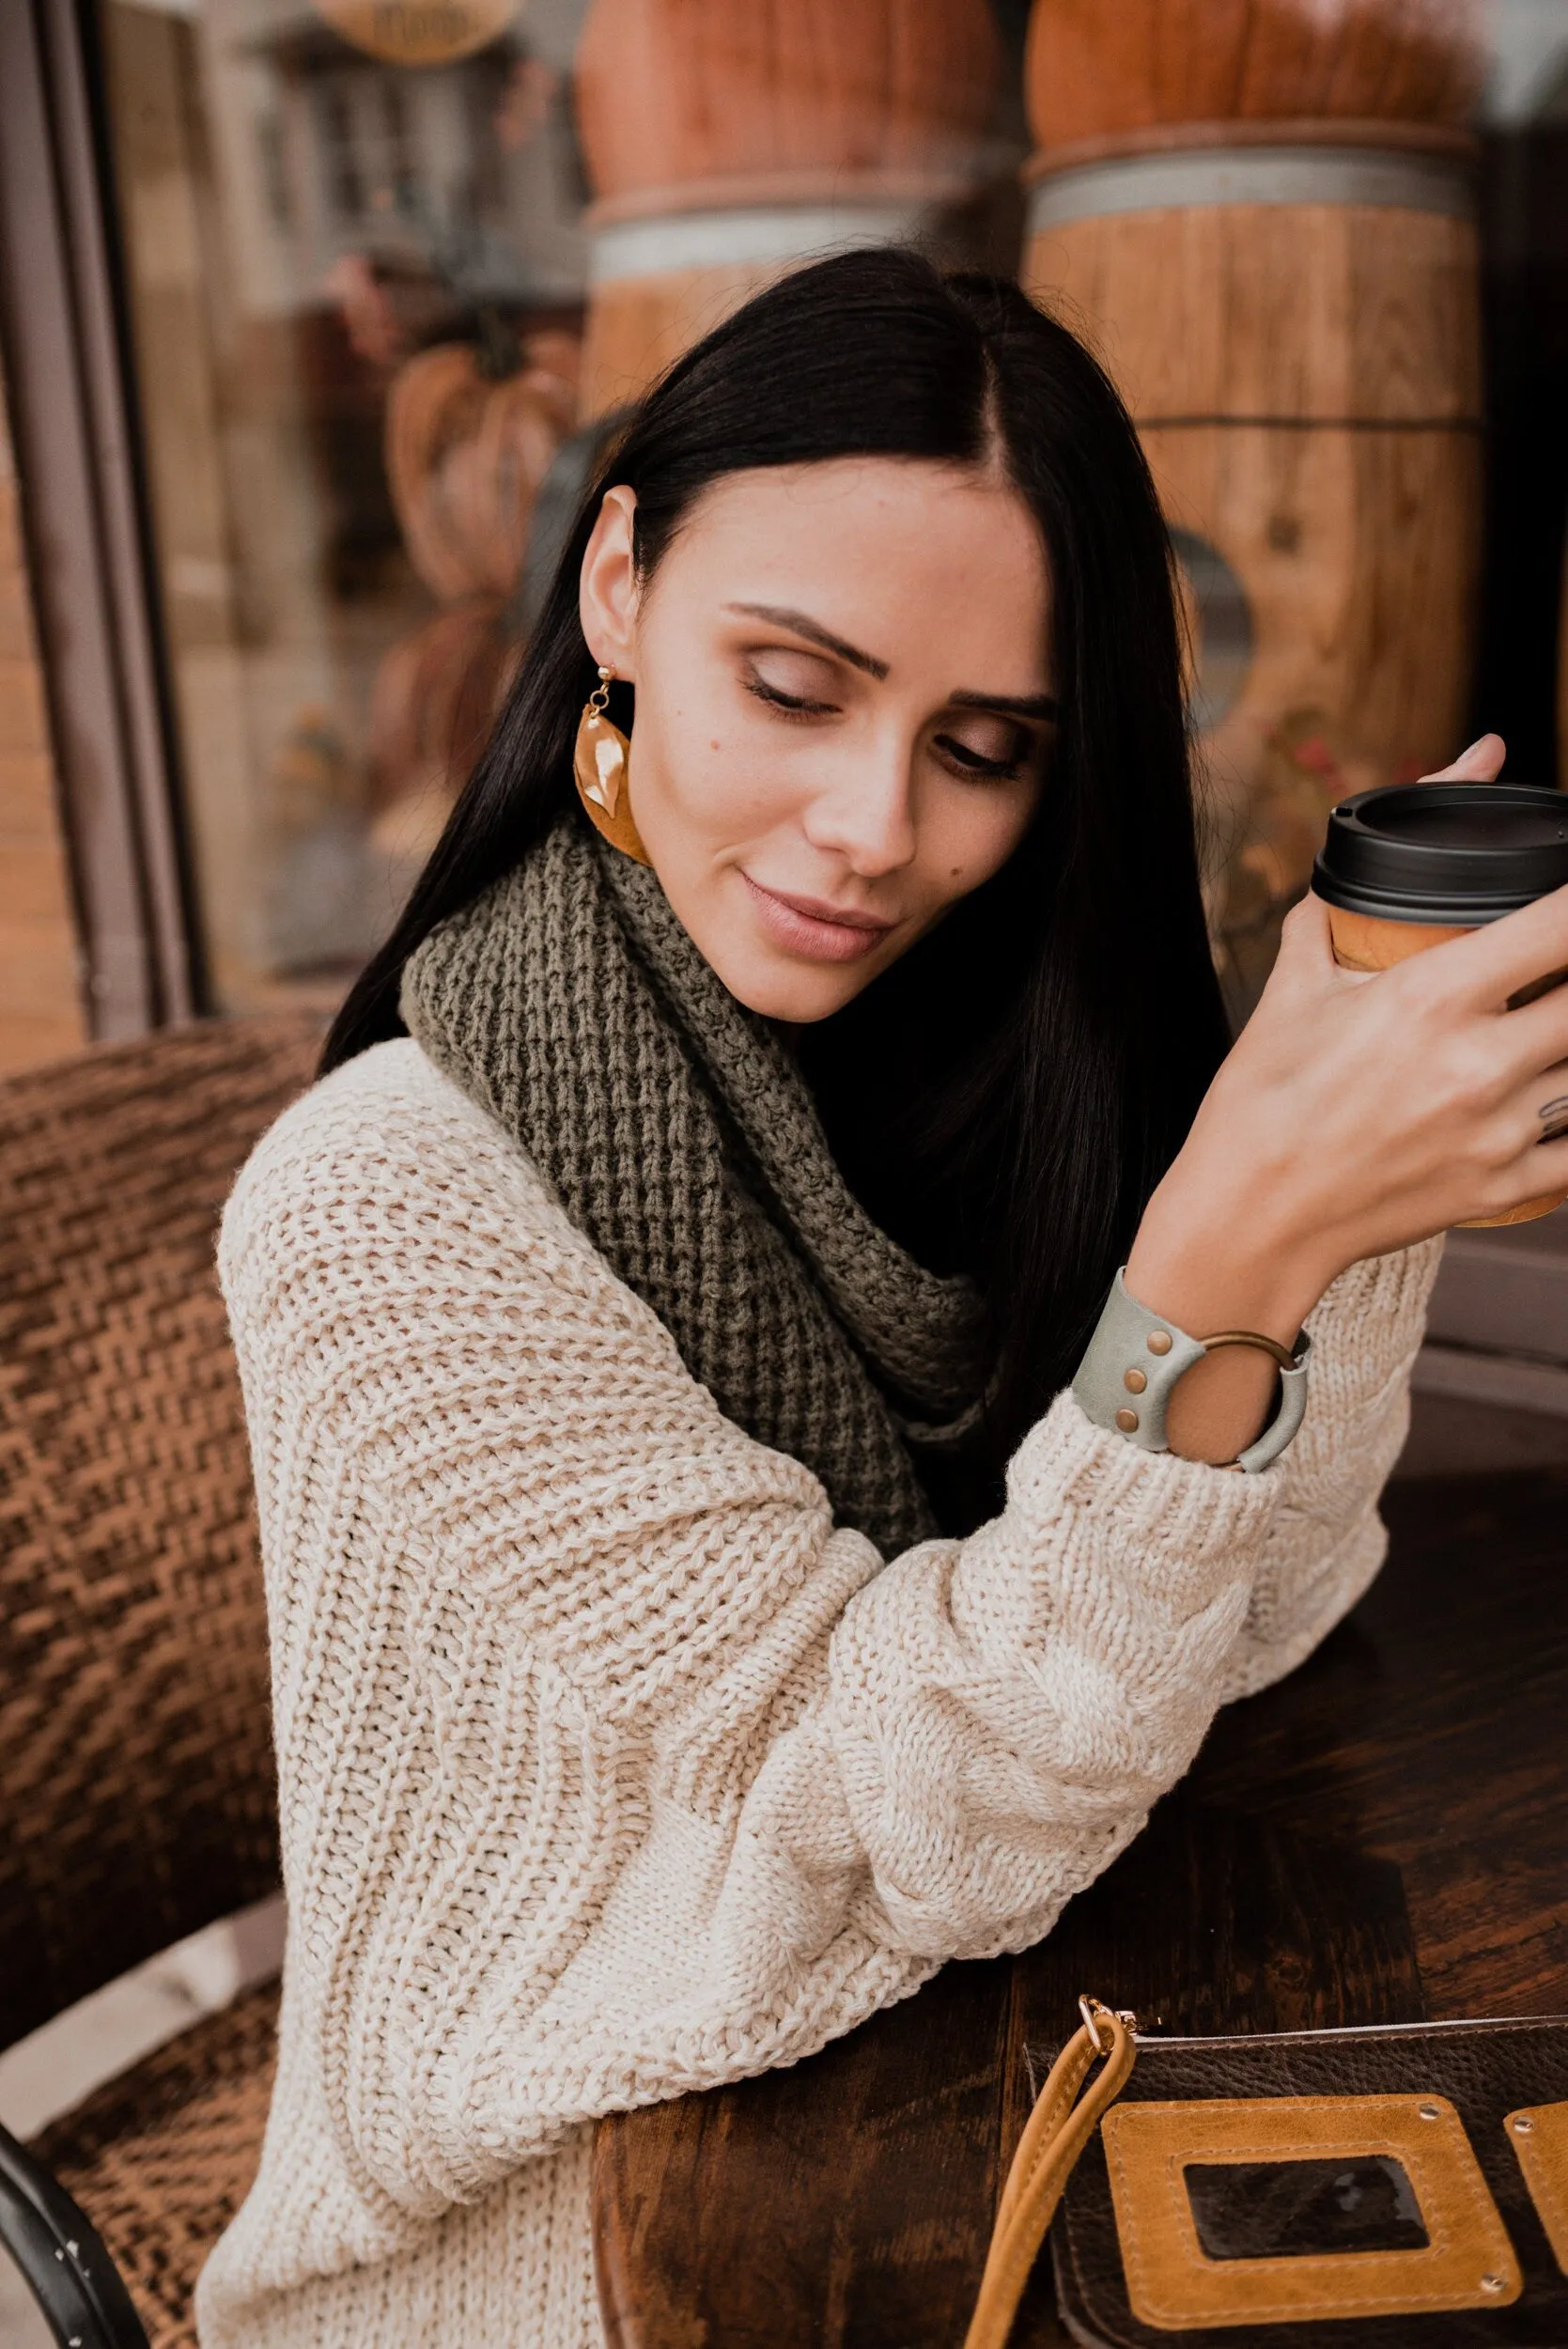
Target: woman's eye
999, 760
793, 682
795, 702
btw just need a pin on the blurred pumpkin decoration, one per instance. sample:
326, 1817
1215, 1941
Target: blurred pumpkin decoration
472, 430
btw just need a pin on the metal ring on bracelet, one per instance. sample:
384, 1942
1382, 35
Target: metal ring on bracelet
1135, 1360
1282, 1354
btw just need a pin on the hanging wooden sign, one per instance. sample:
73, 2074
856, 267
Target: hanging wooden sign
418, 32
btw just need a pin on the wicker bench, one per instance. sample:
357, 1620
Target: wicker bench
137, 1798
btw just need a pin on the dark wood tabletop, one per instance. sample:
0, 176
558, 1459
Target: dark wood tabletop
1381, 1838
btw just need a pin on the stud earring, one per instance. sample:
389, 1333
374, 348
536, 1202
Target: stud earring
602, 764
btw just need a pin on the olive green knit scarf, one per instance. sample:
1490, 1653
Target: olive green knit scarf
675, 1131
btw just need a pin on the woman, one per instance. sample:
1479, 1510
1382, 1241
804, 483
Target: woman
635, 1348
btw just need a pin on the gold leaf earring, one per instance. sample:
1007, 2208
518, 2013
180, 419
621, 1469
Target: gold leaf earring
602, 764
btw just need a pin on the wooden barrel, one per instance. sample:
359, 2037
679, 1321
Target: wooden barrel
1288, 305
1355, 70
727, 144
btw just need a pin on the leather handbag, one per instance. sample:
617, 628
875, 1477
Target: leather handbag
1406, 2185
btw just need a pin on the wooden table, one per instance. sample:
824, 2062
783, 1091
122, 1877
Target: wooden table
1384, 1837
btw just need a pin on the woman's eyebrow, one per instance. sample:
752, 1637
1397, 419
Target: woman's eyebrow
1016, 705
801, 624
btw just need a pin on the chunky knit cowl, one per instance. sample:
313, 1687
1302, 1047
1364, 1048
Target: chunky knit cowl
569, 1003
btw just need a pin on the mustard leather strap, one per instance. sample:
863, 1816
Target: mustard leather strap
1054, 2135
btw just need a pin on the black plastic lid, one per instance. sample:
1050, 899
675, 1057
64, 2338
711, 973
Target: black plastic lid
1458, 854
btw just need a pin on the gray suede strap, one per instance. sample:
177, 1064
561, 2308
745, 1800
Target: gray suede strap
1133, 1363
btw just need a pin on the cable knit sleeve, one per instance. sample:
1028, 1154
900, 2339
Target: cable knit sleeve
609, 1768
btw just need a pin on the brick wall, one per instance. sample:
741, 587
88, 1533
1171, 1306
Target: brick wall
40, 1002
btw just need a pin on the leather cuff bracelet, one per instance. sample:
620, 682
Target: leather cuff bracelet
1135, 1358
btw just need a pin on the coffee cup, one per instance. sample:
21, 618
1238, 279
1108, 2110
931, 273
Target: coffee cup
1411, 866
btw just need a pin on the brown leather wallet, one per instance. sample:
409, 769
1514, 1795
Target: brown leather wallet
1406, 2187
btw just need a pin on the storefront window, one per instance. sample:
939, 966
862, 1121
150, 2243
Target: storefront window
302, 220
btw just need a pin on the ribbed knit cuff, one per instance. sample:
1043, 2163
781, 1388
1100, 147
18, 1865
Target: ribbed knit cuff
1183, 1509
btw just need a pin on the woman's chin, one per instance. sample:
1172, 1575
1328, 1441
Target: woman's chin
777, 987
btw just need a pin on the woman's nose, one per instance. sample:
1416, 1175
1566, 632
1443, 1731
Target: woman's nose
864, 813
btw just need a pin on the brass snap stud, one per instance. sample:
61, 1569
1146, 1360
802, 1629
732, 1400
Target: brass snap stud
1135, 1381
1159, 1341
1127, 1422
1493, 2283
1429, 2113
1524, 2125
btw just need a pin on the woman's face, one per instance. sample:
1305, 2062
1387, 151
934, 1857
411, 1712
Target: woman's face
844, 709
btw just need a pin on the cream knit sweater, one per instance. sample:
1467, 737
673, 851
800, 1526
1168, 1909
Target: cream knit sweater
607, 1768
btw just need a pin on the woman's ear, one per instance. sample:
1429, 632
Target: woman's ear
607, 594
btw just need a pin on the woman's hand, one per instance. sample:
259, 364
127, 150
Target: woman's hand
1357, 1112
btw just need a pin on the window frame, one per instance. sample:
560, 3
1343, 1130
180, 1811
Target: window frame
87, 529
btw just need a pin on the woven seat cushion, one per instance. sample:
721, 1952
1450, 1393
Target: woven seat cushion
161, 2158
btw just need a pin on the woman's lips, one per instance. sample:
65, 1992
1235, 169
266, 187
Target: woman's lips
808, 926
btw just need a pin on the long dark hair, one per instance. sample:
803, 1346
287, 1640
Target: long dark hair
1007, 1097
